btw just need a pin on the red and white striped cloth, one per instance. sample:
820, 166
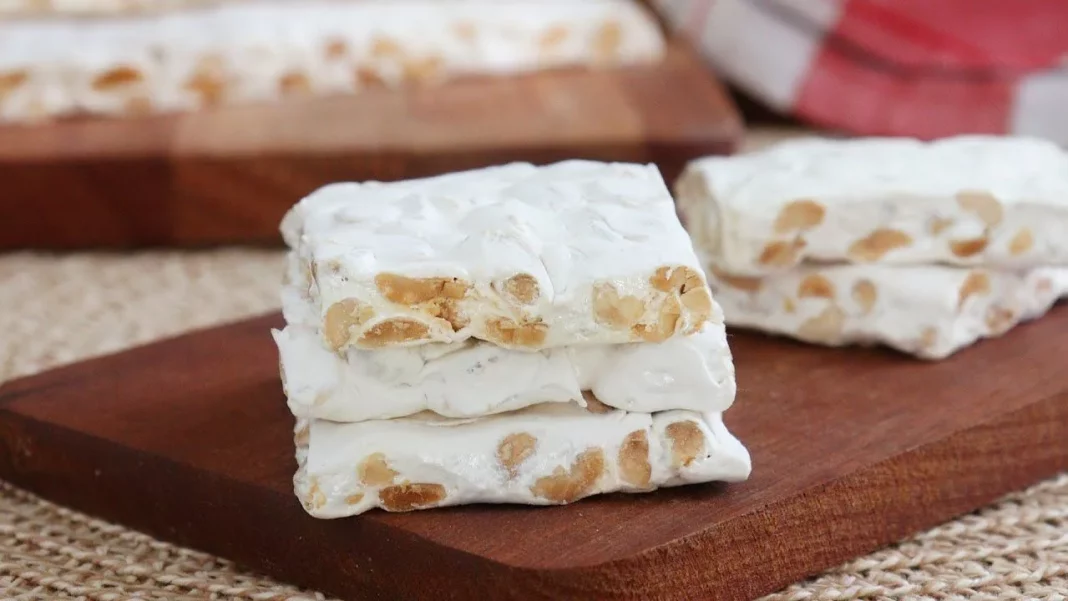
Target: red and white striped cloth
923, 68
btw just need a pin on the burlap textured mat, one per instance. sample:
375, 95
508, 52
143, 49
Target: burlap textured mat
58, 309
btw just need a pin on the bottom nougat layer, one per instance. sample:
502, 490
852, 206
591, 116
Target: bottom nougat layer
930, 311
543, 455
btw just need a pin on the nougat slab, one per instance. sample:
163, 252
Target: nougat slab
968, 200
930, 311
577, 252
267, 50
544, 455
474, 379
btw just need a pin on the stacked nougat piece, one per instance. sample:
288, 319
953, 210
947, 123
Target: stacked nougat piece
922, 246
514, 334
119, 57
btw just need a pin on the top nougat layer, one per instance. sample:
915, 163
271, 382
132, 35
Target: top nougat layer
966, 200
521, 256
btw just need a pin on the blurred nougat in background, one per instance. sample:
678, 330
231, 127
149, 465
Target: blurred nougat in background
127, 57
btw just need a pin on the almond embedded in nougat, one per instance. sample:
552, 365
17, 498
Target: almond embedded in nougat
335, 49
999, 319
117, 77
410, 496
368, 77
208, 81
394, 331
565, 486
676, 279
982, 204
977, 282
865, 295
633, 459
615, 311
825, 327
315, 498
424, 70
667, 322
508, 332
341, 318
608, 41
690, 287
877, 244
968, 248
687, 443
746, 283
375, 471
815, 286
12, 80
782, 254
803, 214
1022, 242
522, 289
928, 338
436, 297
514, 449
384, 47
294, 84
938, 225
415, 291
552, 38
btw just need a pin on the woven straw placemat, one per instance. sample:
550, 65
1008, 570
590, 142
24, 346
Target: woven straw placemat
59, 309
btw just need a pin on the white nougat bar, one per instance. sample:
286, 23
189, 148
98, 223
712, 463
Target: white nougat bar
930, 311
265, 50
578, 252
475, 379
543, 455
968, 200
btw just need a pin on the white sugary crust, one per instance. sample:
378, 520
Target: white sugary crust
968, 200
265, 50
475, 379
577, 252
929, 311
543, 455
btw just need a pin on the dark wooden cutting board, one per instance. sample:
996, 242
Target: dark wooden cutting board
190, 440
228, 175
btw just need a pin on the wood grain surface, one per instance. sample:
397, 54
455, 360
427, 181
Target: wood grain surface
228, 175
190, 440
